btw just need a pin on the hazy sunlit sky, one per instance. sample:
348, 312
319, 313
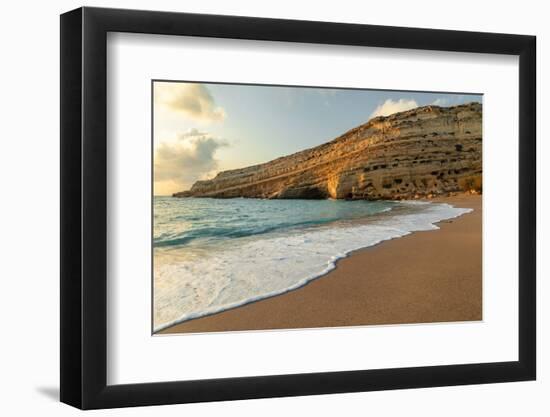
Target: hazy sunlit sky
201, 129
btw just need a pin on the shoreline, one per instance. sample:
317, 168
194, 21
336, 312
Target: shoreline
365, 298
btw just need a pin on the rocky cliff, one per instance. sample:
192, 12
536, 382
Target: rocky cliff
421, 152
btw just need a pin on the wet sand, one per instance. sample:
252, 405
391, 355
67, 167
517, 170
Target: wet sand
425, 277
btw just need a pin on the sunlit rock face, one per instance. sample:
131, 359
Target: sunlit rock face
421, 152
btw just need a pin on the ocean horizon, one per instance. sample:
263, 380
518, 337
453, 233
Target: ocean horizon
211, 255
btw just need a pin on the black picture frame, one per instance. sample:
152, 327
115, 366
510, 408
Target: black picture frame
84, 207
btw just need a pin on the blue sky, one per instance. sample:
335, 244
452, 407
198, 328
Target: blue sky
201, 129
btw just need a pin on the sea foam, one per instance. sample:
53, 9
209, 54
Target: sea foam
245, 270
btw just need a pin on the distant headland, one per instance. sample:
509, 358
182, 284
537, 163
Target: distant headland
423, 152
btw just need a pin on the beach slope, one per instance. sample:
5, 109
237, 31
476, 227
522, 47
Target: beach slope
425, 277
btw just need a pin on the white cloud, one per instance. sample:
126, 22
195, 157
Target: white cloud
391, 107
192, 100
179, 164
192, 133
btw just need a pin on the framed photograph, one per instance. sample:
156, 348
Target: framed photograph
257, 208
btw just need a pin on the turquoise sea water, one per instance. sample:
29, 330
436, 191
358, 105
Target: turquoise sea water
199, 221
214, 254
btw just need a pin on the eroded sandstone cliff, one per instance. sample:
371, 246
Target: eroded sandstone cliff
425, 151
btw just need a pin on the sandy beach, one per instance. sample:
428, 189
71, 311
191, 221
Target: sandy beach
432, 276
